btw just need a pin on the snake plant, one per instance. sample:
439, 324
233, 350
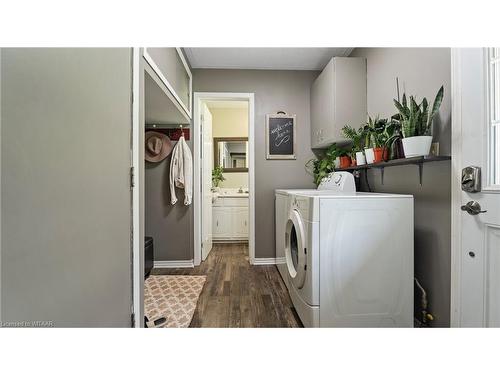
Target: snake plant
415, 119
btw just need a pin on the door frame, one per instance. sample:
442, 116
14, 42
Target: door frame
138, 187
200, 97
456, 189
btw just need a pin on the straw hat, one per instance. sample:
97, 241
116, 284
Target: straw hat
157, 147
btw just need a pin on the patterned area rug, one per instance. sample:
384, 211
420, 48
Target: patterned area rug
170, 300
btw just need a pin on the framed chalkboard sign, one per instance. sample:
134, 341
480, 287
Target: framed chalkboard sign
280, 136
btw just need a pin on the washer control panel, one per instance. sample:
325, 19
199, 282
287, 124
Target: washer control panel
338, 181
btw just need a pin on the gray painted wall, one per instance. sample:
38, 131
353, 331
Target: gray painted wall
274, 91
170, 226
421, 71
65, 189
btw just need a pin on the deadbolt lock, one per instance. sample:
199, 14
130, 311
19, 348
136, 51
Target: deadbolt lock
471, 179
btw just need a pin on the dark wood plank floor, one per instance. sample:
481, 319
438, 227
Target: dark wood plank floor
237, 294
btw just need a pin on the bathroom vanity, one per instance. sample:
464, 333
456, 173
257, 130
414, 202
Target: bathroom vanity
230, 217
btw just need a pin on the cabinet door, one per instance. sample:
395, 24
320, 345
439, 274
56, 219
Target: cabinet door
240, 222
172, 68
338, 97
220, 222
322, 105
350, 98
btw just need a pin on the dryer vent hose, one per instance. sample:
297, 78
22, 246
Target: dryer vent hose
426, 316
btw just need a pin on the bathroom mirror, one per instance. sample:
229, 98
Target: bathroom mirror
231, 154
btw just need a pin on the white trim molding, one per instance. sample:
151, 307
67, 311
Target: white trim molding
137, 163
199, 98
164, 79
264, 261
456, 191
174, 264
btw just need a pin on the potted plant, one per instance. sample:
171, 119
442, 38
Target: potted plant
217, 176
328, 162
345, 160
375, 138
357, 137
394, 143
416, 123
378, 137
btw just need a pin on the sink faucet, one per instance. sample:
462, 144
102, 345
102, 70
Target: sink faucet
240, 190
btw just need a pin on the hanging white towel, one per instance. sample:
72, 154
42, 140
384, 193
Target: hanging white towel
181, 171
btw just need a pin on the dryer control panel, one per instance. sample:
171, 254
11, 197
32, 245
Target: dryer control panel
338, 181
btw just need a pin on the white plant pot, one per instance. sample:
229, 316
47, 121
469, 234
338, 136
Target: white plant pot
370, 156
360, 158
336, 162
417, 146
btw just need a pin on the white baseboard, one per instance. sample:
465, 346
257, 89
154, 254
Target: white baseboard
264, 261
174, 264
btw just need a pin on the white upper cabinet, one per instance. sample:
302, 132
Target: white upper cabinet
338, 98
172, 69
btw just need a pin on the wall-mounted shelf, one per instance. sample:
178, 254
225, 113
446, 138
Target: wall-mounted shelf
161, 107
419, 161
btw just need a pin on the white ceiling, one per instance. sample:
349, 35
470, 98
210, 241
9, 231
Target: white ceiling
263, 58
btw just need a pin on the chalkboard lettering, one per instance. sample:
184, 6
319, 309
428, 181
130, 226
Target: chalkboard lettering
280, 136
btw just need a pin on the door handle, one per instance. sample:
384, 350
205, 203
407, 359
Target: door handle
472, 208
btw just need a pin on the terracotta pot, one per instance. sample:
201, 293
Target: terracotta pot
378, 154
345, 162
353, 162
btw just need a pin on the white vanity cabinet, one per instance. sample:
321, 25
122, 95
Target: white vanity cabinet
230, 219
173, 70
338, 98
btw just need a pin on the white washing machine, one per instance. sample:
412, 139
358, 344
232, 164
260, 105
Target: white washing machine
349, 256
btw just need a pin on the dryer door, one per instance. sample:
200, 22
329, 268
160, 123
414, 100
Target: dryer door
295, 249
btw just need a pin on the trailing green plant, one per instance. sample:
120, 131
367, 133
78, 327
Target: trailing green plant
325, 164
416, 119
217, 176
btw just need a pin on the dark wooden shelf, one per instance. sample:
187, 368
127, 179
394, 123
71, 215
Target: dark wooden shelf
419, 160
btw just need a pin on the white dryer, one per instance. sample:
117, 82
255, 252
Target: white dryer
282, 212
349, 256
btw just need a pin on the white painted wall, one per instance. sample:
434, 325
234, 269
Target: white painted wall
235, 180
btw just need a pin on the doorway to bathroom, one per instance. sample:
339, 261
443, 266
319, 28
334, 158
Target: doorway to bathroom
224, 173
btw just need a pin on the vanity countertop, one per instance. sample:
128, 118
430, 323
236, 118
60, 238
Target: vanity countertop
233, 195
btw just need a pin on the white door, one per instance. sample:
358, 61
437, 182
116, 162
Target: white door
207, 165
66, 198
476, 227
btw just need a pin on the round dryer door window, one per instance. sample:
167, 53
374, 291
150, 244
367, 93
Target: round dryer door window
295, 249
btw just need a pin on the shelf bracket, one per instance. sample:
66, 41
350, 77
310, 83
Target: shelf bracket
382, 175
